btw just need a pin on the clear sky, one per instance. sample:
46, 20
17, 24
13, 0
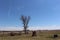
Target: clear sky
45, 14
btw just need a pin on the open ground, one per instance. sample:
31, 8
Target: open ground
41, 35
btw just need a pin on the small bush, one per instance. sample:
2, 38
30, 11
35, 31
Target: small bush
12, 34
33, 33
55, 36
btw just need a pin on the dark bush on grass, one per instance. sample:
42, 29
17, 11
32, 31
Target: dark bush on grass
55, 36
12, 34
33, 33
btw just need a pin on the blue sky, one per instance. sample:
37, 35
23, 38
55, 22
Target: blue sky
44, 14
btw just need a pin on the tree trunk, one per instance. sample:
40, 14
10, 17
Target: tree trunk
25, 30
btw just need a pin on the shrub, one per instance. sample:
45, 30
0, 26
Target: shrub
12, 34
55, 35
34, 33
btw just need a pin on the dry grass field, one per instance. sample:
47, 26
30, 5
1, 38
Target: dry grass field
41, 35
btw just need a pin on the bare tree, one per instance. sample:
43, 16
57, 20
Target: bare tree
25, 20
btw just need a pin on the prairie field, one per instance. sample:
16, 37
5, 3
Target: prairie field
41, 35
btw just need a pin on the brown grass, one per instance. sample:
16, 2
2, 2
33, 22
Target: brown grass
41, 35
